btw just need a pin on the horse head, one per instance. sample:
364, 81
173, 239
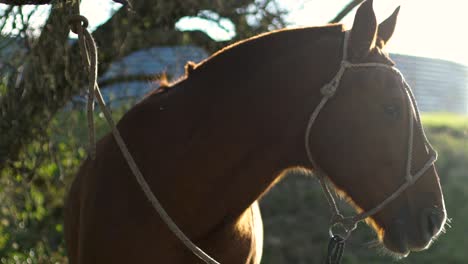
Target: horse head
369, 142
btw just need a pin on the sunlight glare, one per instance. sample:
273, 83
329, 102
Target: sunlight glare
221, 30
425, 28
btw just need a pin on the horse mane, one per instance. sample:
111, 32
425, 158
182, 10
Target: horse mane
240, 49
280, 35
189, 68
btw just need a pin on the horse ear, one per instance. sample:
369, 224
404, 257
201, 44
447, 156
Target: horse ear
363, 34
386, 28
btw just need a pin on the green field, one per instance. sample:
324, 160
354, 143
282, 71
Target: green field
295, 212
452, 121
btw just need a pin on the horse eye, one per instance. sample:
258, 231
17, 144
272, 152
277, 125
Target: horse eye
392, 111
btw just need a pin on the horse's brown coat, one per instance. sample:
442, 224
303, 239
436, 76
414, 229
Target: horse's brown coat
217, 140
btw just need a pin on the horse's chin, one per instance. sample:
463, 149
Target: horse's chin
396, 246
392, 243
400, 246
385, 251
395, 240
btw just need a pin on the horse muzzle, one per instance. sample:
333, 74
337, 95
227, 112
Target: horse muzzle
404, 235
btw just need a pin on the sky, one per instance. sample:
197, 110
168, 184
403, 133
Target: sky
427, 28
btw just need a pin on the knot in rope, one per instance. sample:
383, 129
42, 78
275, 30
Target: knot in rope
336, 218
73, 21
329, 89
346, 64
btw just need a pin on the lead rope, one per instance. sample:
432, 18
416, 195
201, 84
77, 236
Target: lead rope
89, 54
349, 224
335, 249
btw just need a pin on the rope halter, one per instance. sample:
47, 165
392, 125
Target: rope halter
349, 224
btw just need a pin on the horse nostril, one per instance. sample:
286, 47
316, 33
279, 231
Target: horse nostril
433, 221
432, 225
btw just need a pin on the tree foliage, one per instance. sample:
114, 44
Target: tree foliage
48, 72
40, 71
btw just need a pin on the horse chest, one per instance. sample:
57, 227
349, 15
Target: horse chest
238, 242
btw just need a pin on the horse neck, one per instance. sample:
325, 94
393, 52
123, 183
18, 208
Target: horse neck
258, 117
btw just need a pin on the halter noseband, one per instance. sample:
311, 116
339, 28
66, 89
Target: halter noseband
327, 91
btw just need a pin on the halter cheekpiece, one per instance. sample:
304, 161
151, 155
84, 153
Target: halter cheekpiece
349, 224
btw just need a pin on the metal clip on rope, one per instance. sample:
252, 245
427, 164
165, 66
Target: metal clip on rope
342, 226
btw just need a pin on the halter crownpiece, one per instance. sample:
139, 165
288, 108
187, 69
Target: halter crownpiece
327, 91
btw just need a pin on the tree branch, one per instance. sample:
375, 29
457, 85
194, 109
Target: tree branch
26, 2
348, 8
46, 2
24, 106
53, 72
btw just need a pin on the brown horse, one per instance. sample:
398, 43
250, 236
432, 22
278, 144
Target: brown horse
214, 142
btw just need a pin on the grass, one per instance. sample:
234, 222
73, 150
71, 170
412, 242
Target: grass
454, 121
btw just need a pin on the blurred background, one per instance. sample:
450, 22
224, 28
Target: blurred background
43, 132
